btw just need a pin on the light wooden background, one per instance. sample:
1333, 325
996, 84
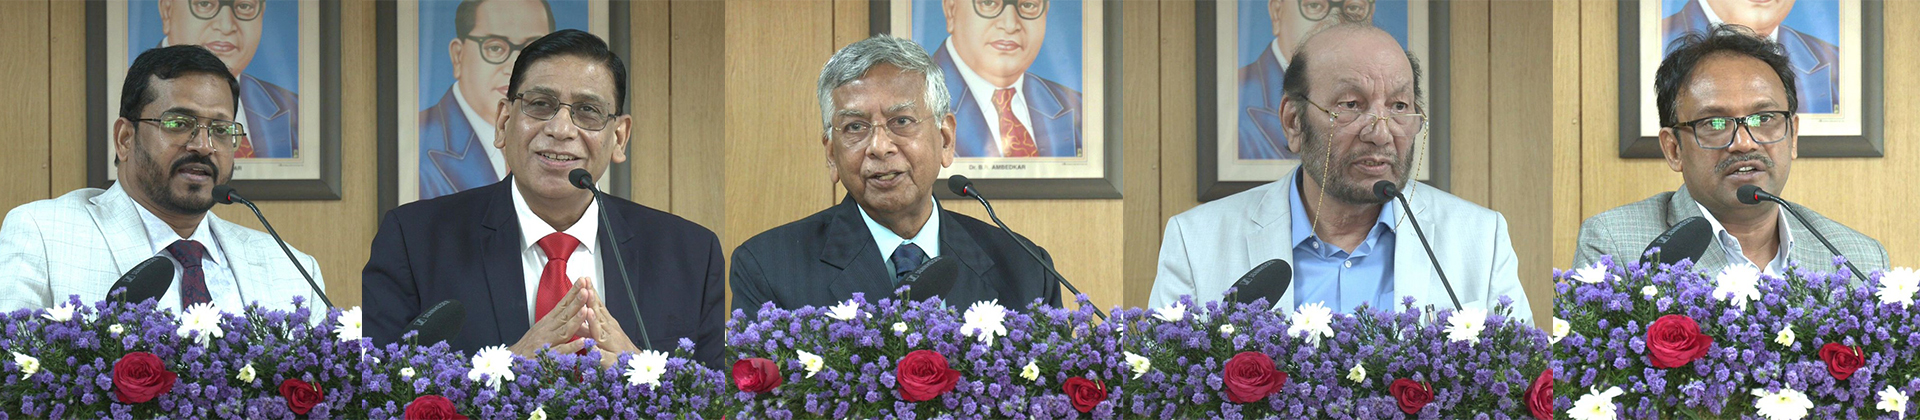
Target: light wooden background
727, 132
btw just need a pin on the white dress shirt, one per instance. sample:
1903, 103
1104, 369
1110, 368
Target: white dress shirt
983, 94
928, 238
1736, 257
585, 262
1277, 56
482, 128
1714, 18
218, 275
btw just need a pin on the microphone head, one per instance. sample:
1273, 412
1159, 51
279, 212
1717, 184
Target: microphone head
1269, 281
148, 280
223, 194
1686, 240
581, 179
935, 278
1385, 190
960, 185
1750, 194
438, 323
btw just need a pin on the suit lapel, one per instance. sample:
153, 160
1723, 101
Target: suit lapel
1413, 272
500, 253
615, 297
850, 249
1052, 119
1682, 207
958, 244
113, 212
247, 267
1271, 237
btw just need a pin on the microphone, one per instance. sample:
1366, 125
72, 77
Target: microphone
1269, 281
1386, 191
439, 323
936, 277
963, 187
225, 194
1752, 194
148, 280
1686, 240
583, 180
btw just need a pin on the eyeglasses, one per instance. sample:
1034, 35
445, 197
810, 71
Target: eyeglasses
1398, 124
247, 10
176, 124
1765, 127
587, 115
854, 132
1027, 9
494, 48
1350, 10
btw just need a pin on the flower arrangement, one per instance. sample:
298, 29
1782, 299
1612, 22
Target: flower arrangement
1667, 341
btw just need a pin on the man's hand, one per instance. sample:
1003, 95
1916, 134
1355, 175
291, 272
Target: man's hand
560, 326
611, 339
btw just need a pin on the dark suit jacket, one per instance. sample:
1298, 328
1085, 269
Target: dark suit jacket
1053, 110
1261, 83
273, 118
466, 247
827, 257
452, 158
1815, 62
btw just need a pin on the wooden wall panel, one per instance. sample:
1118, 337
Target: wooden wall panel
1179, 126
1520, 160
774, 167
1140, 131
27, 73
1471, 81
1566, 134
698, 125
67, 99
650, 93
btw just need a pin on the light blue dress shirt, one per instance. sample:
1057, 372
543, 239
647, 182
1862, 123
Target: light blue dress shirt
1339, 279
928, 238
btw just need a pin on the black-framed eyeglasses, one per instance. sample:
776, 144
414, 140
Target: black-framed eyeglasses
247, 10
1764, 127
1350, 10
1398, 124
586, 115
1026, 9
854, 132
495, 49
228, 133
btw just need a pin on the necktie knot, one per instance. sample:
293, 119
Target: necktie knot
1002, 97
187, 252
907, 258
559, 246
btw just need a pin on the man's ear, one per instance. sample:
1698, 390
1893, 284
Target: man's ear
166, 18
1290, 122
455, 55
1670, 149
621, 128
500, 117
833, 172
123, 131
951, 8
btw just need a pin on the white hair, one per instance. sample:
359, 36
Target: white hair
853, 62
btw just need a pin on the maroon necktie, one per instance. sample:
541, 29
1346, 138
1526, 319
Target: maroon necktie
193, 279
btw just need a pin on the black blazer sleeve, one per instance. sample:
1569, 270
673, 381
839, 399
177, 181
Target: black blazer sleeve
749, 283
387, 285
711, 343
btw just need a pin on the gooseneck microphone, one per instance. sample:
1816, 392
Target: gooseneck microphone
1685, 240
963, 187
225, 194
441, 322
583, 180
1387, 191
1269, 281
148, 280
1752, 194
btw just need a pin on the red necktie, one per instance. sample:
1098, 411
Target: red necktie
553, 279
1012, 133
193, 278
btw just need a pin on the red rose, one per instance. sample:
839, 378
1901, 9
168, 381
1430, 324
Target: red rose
923, 375
1842, 360
432, 407
1540, 396
1250, 376
140, 376
756, 375
1411, 395
1674, 341
1084, 393
301, 396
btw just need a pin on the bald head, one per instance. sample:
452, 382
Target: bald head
1351, 48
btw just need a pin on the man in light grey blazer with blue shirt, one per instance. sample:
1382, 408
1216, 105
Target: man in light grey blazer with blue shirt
175, 140
1352, 112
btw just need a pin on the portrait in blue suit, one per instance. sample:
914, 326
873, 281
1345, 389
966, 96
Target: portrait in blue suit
1806, 31
259, 42
1268, 32
466, 58
986, 47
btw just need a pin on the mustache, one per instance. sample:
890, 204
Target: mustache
191, 158
1766, 163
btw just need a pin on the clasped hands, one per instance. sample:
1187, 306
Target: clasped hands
579, 316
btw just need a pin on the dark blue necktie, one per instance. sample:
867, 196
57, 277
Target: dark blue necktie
906, 258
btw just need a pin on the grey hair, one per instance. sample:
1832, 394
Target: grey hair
853, 62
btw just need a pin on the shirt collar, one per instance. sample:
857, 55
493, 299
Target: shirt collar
532, 228
928, 238
484, 130
1277, 56
1714, 18
979, 86
1303, 226
160, 234
1734, 251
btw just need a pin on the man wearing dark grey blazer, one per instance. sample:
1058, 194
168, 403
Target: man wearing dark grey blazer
1726, 101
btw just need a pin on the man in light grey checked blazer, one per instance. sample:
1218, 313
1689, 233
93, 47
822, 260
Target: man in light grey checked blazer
175, 140
1725, 100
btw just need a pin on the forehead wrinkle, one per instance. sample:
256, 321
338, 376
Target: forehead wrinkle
901, 107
